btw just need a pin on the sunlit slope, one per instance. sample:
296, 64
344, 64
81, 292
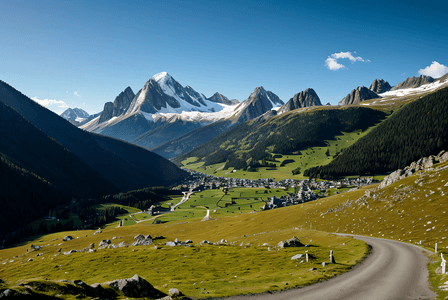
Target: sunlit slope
244, 146
417, 130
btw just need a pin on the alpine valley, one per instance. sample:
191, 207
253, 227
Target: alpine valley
168, 194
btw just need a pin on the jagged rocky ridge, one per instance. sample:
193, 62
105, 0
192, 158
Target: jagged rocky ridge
358, 95
379, 86
413, 82
305, 98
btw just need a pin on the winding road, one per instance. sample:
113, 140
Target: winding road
393, 270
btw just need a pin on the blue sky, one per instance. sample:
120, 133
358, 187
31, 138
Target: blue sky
84, 53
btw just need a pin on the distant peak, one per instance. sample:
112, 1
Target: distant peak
160, 76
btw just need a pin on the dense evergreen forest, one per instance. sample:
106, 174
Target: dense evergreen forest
245, 145
417, 130
35, 195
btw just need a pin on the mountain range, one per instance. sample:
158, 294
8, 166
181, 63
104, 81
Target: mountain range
171, 119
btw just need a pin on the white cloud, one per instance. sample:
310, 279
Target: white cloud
435, 70
332, 63
76, 94
56, 106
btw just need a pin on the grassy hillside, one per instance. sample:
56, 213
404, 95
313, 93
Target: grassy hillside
418, 129
284, 164
244, 146
410, 210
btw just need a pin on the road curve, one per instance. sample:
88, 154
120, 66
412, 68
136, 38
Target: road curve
393, 270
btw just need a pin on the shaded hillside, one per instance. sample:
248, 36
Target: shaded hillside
29, 148
246, 144
191, 139
418, 129
19, 189
126, 166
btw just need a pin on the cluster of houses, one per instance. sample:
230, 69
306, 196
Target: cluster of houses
305, 189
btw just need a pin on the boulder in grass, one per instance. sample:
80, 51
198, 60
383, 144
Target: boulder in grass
293, 242
67, 238
141, 240
135, 287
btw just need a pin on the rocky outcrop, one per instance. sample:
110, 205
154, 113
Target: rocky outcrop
136, 287
108, 112
259, 102
118, 107
122, 102
141, 240
358, 95
413, 82
380, 86
293, 242
218, 98
421, 164
305, 98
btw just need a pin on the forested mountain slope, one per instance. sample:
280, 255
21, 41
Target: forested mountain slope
244, 145
417, 130
126, 166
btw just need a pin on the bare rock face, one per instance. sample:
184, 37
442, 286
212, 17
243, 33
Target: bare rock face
259, 102
305, 98
141, 240
380, 86
123, 101
107, 113
413, 82
136, 287
358, 95
421, 164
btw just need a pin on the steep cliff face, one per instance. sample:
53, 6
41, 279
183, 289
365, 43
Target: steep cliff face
358, 95
380, 86
305, 98
122, 101
259, 102
413, 82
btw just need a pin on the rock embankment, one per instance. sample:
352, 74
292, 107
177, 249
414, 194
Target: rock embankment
422, 163
134, 287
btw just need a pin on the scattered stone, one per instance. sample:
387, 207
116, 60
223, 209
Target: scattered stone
114, 238
141, 240
97, 232
312, 269
91, 246
123, 245
104, 243
297, 256
67, 238
173, 292
9, 294
323, 264
171, 244
28, 260
188, 242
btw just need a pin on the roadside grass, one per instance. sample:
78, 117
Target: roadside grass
200, 270
310, 157
435, 277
